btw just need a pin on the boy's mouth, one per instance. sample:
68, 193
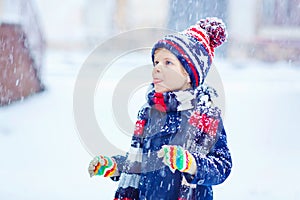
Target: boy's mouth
156, 81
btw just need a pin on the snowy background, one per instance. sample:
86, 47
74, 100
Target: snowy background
42, 156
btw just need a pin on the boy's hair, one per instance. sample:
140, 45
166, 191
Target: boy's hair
194, 47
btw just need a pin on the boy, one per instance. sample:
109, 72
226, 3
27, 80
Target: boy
179, 148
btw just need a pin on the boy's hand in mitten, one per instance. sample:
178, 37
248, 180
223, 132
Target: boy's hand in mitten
102, 165
176, 157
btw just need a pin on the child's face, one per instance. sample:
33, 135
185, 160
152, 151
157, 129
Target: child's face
168, 73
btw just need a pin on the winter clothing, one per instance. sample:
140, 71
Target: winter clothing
185, 122
195, 46
182, 118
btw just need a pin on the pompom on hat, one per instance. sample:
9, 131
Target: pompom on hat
195, 46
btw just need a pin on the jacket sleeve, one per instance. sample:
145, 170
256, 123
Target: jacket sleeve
215, 167
132, 161
120, 160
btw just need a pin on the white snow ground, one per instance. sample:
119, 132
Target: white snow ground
42, 156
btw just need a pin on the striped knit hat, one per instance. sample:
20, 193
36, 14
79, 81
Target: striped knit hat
194, 47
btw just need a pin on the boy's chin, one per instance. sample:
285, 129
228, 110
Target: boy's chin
160, 89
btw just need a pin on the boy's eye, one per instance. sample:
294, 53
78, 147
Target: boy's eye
168, 62
156, 63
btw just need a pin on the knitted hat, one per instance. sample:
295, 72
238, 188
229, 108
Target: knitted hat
194, 47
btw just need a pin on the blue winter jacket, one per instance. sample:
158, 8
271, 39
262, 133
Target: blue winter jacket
157, 181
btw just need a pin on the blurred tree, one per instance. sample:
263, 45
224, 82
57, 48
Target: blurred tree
183, 13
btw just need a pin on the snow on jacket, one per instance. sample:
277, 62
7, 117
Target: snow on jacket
185, 118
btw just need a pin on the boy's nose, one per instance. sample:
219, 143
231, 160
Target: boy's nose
157, 68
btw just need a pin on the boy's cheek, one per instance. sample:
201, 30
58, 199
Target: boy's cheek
175, 81
172, 80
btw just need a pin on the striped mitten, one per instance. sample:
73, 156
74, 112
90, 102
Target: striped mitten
102, 166
176, 157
